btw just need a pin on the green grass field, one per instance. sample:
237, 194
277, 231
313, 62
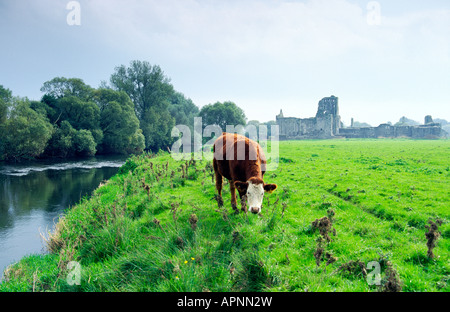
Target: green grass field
156, 226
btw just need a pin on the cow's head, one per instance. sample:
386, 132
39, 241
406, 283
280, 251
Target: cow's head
254, 190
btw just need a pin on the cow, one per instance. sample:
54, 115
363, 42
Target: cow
243, 163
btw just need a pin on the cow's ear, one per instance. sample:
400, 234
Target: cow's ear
269, 188
241, 186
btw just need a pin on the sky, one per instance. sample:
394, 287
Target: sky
382, 59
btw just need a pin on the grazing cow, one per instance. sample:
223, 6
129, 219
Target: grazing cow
243, 163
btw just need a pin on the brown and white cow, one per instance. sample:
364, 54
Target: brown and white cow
243, 163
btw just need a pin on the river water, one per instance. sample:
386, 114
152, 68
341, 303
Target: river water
34, 194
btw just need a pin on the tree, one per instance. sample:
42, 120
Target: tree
60, 87
358, 124
118, 121
183, 110
222, 114
156, 126
61, 143
269, 125
69, 142
84, 143
146, 85
5, 99
5, 94
71, 100
150, 90
50, 104
403, 121
25, 132
80, 114
42, 108
136, 143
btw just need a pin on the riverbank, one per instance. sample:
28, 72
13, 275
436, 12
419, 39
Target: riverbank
155, 226
34, 194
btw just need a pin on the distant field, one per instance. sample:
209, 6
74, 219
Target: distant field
156, 226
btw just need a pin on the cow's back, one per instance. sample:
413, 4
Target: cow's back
233, 161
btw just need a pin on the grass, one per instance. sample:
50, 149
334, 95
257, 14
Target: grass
156, 226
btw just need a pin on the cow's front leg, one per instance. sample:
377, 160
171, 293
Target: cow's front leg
243, 202
233, 197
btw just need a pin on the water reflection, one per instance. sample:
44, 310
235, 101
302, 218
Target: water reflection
34, 195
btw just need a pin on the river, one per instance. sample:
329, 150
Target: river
34, 194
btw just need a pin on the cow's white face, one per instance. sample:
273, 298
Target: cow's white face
254, 193
255, 196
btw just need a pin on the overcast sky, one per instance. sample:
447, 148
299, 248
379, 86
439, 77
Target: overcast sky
262, 55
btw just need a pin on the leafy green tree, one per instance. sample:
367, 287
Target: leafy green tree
71, 100
183, 110
25, 132
222, 114
69, 142
151, 91
60, 87
5, 99
42, 108
50, 104
136, 143
269, 125
118, 121
84, 143
403, 121
80, 114
260, 125
255, 123
61, 143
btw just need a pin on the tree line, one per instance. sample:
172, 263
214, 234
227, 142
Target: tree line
135, 111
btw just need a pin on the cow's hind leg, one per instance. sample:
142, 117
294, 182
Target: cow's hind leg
219, 189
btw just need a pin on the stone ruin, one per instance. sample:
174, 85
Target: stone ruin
327, 124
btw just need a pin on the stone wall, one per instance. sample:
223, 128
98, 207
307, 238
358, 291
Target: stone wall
429, 131
327, 124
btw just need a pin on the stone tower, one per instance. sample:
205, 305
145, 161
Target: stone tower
329, 109
428, 119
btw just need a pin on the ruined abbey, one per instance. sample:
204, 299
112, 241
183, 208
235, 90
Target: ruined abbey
327, 124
